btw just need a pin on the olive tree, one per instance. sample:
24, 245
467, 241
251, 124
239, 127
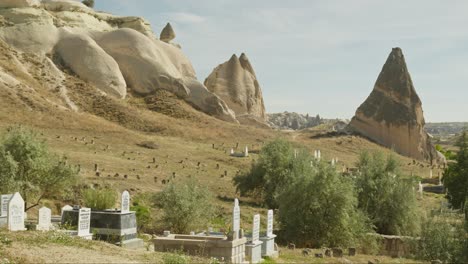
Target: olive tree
320, 209
186, 206
278, 165
27, 166
387, 198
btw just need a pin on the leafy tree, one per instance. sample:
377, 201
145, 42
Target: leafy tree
443, 238
186, 206
320, 209
273, 171
27, 166
385, 196
456, 175
89, 3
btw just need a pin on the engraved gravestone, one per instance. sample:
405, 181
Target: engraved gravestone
256, 228
236, 217
4, 199
44, 219
16, 213
270, 223
125, 203
84, 222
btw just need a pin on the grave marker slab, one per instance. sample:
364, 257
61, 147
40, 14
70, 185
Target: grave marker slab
84, 223
125, 203
256, 228
4, 199
270, 223
16, 213
44, 219
236, 217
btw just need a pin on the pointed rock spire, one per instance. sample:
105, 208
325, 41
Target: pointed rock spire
392, 115
235, 82
167, 34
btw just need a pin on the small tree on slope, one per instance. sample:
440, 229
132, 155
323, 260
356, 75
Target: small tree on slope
27, 166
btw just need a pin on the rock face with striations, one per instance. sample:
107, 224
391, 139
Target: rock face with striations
236, 83
392, 115
114, 54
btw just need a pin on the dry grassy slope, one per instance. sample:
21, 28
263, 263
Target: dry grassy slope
184, 135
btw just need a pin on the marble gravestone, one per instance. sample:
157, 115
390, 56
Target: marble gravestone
236, 219
16, 213
84, 223
254, 248
125, 202
5, 198
44, 219
268, 246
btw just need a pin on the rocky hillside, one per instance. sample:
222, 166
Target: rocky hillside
392, 115
236, 83
294, 121
119, 56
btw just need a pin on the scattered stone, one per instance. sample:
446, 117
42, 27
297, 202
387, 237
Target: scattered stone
351, 252
148, 145
292, 246
328, 253
337, 252
319, 255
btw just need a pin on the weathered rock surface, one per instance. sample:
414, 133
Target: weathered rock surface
392, 115
295, 121
167, 34
92, 64
236, 83
108, 51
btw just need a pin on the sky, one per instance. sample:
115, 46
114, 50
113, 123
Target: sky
323, 57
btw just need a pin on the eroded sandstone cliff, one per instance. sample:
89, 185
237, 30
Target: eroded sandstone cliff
392, 115
236, 83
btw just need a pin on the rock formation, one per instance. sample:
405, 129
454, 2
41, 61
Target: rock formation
294, 121
114, 54
392, 115
236, 83
167, 34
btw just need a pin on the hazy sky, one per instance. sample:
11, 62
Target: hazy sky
323, 57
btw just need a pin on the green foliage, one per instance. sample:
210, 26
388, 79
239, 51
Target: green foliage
175, 258
143, 215
274, 170
27, 166
449, 155
442, 238
387, 198
88, 3
99, 199
186, 206
320, 209
456, 175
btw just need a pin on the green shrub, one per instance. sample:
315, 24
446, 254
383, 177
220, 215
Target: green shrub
455, 176
143, 216
320, 209
27, 166
387, 198
99, 199
175, 258
274, 170
185, 206
442, 238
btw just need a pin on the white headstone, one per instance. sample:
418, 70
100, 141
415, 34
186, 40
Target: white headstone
430, 174
125, 203
4, 199
232, 151
420, 189
16, 213
44, 219
319, 154
316, 154
333, 162
246, 151
270, 223
66, 208
295, 153
256, 228
84, 222
236, 217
